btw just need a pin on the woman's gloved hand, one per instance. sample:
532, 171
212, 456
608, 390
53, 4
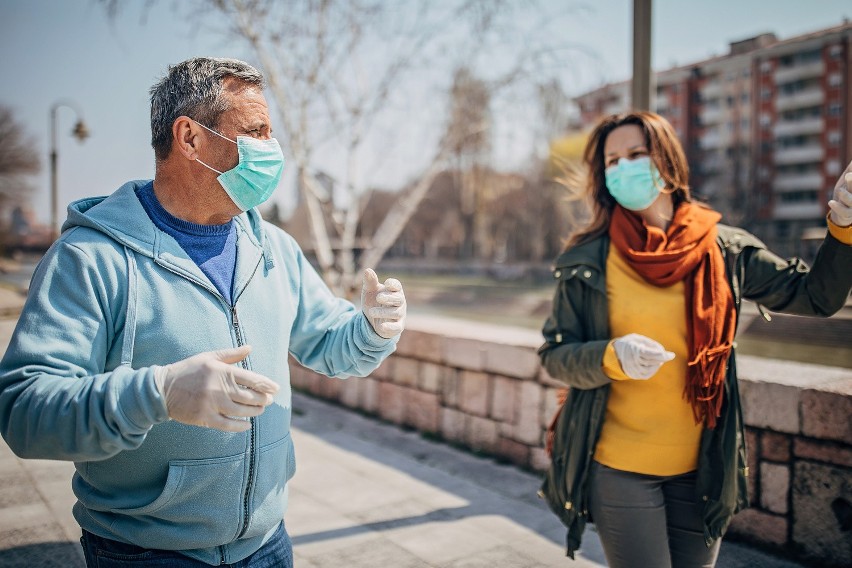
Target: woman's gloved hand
841, 204
640, 356
208, 390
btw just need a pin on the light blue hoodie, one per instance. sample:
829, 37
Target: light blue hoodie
115, 297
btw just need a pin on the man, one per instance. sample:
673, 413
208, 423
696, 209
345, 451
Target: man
153, 348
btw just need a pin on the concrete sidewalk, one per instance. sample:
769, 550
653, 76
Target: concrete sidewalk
366, 494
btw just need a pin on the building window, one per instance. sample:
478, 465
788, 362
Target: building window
765, 66
832, 167
744, 98
834, 109
765, 120
745, 124
835, 80
834, 137
835, 51
763, 173
765, 94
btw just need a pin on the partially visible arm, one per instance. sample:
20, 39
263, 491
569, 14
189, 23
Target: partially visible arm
790, 285
56, 400
569, 354
330, 335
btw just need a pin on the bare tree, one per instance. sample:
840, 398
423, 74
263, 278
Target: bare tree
349, 77
18, 159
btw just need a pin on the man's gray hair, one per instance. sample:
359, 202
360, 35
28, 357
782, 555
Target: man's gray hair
194, 89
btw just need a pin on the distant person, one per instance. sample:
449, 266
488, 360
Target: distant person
153, 347
649, 445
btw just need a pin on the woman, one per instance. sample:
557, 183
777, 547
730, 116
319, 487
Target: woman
649, 444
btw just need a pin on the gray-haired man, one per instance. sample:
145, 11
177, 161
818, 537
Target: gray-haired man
153, 349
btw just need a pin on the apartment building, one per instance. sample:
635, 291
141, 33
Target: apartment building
767, 129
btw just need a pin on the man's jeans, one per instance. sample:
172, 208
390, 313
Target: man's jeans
105, 553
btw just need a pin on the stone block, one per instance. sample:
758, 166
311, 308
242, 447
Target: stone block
515, 452
431, 377
827, 412
452, 425
504, 399
350, 392
423, 410
761, 527
385, 371
819, 450
539, 460
753, 459
473, 393
817, 530
330, 387
465, 353
518, 362
421, 345
450, 388
391, 402
774, 487
771, 405
775, 447
481, 434
529, 427
405, 372
369, 396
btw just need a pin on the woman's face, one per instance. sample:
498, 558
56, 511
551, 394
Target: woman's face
626, 141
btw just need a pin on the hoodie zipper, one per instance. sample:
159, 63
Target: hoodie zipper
252, 434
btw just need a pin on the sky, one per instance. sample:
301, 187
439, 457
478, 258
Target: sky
53, 51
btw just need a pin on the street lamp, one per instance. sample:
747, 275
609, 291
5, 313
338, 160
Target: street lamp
81, 133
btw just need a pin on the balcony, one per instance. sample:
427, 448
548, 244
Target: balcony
804, 210
712, 90
799, 155
801, 126
795, 182
797, 72
711, 115
808, 98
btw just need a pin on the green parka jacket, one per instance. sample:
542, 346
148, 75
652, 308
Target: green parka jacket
577, 333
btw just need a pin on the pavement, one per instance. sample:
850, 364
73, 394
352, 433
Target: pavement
366, 494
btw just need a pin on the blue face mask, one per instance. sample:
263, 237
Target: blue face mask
256, 175
634, 184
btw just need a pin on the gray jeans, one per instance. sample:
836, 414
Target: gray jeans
648, 521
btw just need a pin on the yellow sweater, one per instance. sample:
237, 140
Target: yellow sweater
649, 427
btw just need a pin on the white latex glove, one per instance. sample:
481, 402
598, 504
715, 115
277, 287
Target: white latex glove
383, 304
841, 205
208, 390
640, 356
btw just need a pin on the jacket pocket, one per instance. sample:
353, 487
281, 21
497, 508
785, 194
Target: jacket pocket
276, 465
200, 506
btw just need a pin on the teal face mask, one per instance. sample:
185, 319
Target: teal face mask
256, 175
634, 184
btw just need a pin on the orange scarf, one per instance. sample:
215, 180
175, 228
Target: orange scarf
688, 252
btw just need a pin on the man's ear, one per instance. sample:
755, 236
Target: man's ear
186, 137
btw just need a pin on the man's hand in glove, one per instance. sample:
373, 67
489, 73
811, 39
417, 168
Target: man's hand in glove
383, 304
209, 390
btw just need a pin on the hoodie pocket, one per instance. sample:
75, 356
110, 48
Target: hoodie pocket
276, 465
200, 506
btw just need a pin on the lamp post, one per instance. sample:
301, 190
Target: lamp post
642, 85
81, 133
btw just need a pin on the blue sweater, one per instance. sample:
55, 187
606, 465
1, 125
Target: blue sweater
114, 298
212, 247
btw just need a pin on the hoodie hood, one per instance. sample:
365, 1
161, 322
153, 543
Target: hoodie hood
122, 217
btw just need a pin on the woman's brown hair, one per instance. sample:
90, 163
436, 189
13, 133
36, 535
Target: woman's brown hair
666, 154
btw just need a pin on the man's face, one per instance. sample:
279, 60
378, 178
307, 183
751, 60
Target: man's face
248, 115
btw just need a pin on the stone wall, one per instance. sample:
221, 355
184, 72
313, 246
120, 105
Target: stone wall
481, 387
